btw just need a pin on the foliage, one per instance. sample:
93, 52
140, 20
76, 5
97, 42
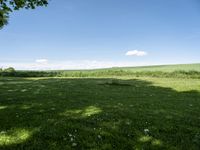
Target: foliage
8, 72
10, 69
7, 6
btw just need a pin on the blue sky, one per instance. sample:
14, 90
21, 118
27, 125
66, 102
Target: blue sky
77, 34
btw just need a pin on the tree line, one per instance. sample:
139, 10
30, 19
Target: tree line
112, 72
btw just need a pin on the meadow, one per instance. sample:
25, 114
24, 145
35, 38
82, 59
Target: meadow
101, 109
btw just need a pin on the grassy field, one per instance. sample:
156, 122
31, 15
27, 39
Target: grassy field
166, 68
121, 113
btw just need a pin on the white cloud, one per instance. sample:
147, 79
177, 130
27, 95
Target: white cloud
136, 53
41, 61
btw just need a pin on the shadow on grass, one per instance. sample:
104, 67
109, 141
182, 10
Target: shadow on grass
63, 113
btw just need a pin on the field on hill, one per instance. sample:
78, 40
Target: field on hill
167, 68
105, 112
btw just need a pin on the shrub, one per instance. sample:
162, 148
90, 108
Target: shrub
8, 72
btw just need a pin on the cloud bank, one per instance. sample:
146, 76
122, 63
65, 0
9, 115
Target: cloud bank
69, 65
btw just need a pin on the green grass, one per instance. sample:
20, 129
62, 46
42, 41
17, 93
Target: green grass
99, 113
166, 68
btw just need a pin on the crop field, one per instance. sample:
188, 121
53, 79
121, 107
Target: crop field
99, 113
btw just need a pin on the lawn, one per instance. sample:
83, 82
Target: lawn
99, 113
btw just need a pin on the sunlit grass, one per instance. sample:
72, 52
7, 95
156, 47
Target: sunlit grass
15, 136
3, 107
156, 142
145, 139
91, 110
25, 107
87, 112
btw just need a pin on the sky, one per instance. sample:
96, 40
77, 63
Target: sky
77, 34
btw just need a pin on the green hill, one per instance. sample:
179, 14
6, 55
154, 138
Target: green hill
165, 68
174, 71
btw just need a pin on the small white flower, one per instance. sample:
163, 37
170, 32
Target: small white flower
146, 130
99, 136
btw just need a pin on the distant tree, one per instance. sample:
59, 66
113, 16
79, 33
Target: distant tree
9, 70
7, 6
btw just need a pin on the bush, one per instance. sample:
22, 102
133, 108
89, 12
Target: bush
8, 72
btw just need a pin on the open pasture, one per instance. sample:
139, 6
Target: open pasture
99, 113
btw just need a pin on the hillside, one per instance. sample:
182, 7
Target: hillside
175, 71
165, 68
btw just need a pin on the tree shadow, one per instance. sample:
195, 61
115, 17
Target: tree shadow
96, 113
